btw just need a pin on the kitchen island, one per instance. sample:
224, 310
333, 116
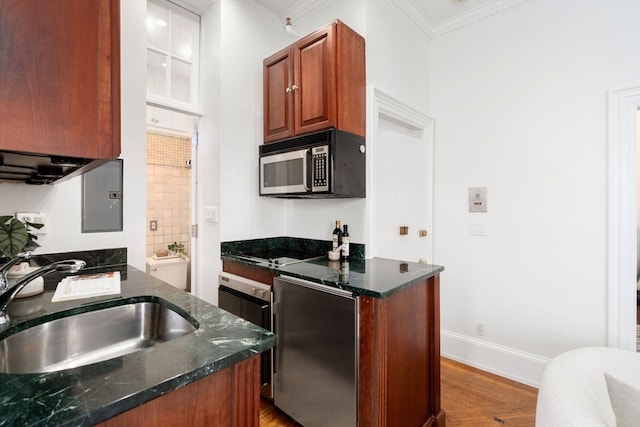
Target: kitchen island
208, 377
399, 324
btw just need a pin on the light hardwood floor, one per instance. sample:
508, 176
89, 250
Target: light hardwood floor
470, 398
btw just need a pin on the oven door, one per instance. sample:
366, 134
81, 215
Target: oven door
234, 296
285, 173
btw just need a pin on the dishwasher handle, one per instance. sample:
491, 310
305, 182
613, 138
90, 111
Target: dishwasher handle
316, 286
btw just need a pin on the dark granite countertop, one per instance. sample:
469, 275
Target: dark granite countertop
377, 277
90, 394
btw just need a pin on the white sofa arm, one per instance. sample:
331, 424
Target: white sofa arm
573, 391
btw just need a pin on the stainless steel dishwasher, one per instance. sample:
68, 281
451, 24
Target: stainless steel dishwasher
316, 355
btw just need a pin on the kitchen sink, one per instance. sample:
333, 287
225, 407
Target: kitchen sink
90, 337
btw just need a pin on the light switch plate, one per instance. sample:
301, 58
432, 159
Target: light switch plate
211, 214
478, 199
477, 228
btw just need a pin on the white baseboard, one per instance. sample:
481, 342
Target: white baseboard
507, 362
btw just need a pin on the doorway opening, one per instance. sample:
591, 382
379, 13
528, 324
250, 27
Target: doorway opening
173, 68
394, 124
169, 195
623, 218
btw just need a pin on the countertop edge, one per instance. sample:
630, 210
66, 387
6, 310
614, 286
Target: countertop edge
293, 270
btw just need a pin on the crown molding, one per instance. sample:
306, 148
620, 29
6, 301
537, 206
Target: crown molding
475, 15
411, 11
303, 8
471, 16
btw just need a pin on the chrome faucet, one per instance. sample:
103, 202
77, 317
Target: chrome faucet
7, 293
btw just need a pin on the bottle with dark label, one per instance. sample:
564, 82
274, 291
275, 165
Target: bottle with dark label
336, 236
345, 243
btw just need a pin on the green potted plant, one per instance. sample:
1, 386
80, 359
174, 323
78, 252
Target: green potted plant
176, 248
16, 236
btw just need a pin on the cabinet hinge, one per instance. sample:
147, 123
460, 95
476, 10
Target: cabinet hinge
194, 230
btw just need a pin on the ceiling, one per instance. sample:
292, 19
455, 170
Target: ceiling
434, 17
435, 11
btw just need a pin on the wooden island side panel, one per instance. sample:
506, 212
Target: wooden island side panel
399, 373
230, 397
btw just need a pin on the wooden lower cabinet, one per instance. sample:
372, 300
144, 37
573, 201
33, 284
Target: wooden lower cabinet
399, 374
399, 354
230, 397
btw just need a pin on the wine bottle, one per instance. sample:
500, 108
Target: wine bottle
336, 236
345, 243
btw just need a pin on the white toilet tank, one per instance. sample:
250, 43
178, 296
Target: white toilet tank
170, 270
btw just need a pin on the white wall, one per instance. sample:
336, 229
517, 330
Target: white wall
249, 34
62, 202
237, 36
207, 169
520, 107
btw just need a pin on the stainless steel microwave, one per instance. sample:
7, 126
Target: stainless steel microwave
325, 164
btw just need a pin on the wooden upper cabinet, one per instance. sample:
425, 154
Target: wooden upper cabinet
278, 108
317, 83
314, 90
60, 77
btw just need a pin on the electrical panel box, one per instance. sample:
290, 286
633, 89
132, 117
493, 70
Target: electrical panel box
102, 198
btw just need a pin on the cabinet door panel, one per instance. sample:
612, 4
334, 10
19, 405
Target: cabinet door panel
278, 104
315, 84
57, 81
314, 60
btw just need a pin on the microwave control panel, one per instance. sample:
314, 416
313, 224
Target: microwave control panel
320, 165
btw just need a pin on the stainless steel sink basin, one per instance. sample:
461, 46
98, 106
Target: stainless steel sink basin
91, 337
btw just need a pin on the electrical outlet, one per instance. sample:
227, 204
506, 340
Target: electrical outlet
479, 329
153, 225
34, 218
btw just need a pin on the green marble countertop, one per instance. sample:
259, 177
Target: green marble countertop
91, 394
376, 277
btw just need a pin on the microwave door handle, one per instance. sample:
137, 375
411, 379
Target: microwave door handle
309, 172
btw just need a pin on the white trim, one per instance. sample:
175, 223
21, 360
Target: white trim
173, 105
514, 364
414, 15
622, 223
381, 104
469, 17
303, 8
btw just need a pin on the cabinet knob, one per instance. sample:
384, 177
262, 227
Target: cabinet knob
288, 90
294, 87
